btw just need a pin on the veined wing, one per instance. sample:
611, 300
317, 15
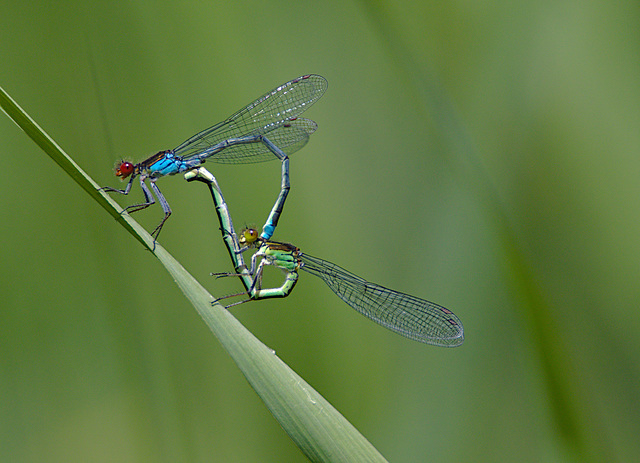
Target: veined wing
267, 113
407, 315
289, 137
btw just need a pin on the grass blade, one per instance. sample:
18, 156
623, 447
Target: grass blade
316, 427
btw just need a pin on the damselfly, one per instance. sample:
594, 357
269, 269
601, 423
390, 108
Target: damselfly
268, 128
407, 315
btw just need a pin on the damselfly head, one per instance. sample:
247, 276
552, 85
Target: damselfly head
124, 169
248, 236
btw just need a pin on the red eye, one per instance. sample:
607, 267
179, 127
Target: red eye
124, 169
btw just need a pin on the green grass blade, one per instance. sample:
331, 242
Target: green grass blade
316, 427
55, 152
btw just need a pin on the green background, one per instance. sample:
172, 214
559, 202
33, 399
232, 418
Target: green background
480, 155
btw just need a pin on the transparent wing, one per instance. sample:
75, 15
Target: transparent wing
268, 113
407, 315
289, 137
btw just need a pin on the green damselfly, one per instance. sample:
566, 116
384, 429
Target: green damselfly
407, 315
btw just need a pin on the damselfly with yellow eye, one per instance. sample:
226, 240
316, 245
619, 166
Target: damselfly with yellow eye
407, 315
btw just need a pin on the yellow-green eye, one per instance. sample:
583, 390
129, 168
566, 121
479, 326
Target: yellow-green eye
249, 235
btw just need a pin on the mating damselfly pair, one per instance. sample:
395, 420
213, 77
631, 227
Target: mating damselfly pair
269, 128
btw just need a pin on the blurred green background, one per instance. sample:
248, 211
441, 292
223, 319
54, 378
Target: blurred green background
480, 155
